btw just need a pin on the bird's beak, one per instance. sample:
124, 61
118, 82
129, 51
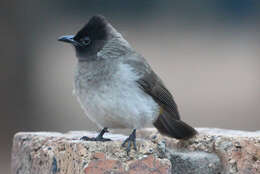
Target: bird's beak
68, 39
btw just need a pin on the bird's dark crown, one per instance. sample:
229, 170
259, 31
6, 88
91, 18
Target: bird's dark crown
95, 29
90, 39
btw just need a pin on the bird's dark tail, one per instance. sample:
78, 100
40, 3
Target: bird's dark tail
171, 127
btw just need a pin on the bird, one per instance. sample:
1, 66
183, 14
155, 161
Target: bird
117, 88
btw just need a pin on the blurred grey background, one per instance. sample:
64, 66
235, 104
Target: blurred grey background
207, 53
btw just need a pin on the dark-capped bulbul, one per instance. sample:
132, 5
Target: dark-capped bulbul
117, 88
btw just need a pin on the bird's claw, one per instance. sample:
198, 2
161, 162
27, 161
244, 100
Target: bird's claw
98, 138
85, 138
130, 140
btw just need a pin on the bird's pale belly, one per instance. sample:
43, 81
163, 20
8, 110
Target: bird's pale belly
114, 107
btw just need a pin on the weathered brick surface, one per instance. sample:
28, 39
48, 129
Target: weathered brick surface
238, 151
100, 165
212, 151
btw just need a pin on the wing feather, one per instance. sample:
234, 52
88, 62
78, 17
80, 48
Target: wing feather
168, 121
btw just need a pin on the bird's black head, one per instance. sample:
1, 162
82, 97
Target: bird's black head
90, 39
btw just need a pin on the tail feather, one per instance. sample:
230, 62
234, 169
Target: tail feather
171, 127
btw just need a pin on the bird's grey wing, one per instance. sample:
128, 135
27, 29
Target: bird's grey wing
168, 121
151, 84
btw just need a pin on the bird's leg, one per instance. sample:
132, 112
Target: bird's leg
97, 138
130, 140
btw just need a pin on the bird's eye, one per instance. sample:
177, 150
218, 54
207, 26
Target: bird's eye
85, 41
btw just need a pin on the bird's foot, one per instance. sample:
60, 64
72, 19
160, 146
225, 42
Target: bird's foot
85, 138
98, 138
130, 140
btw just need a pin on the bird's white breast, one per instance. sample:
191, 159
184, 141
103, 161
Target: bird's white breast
115, 102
